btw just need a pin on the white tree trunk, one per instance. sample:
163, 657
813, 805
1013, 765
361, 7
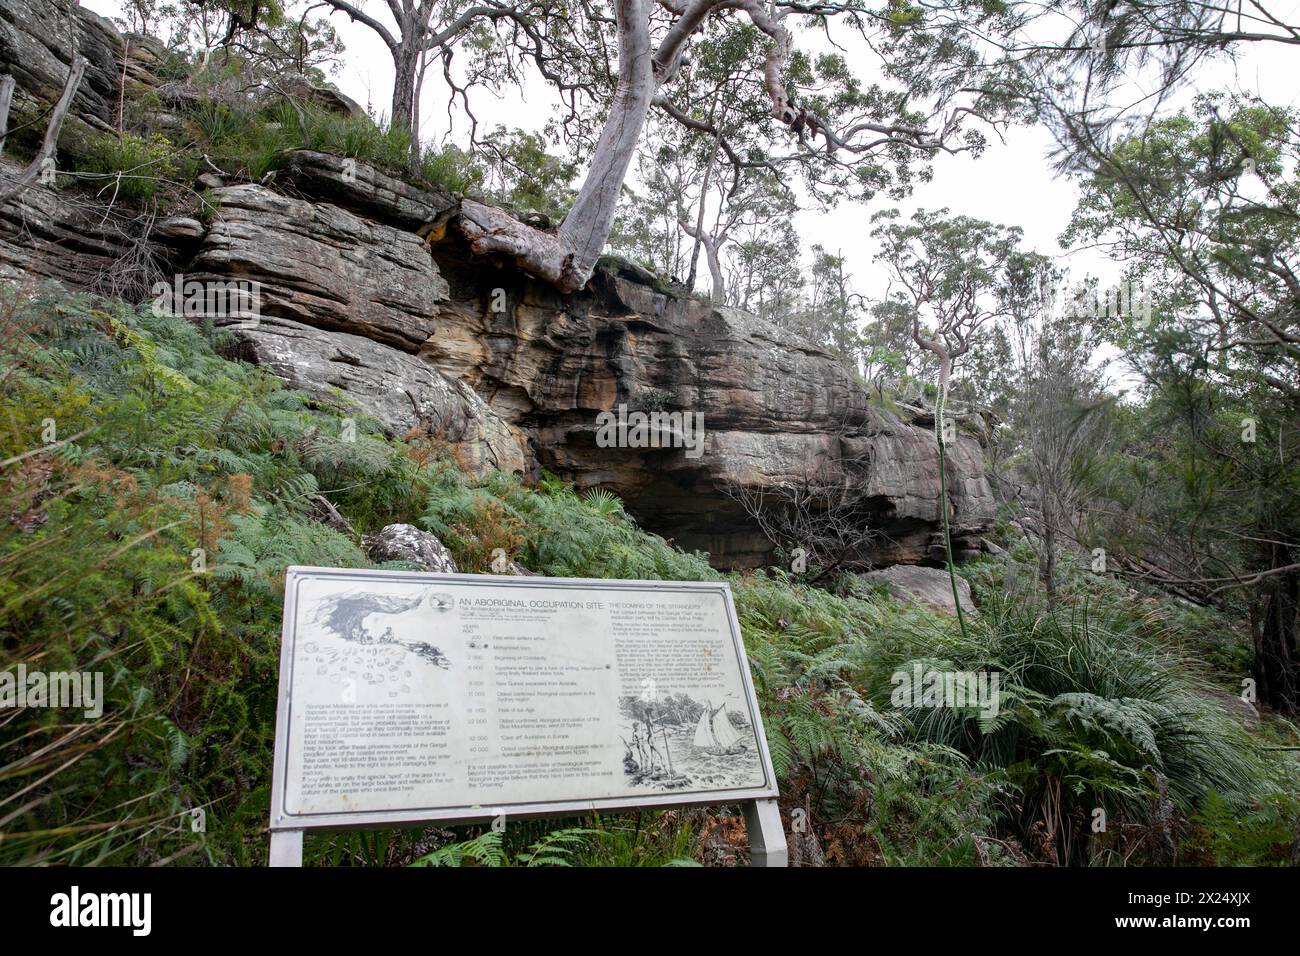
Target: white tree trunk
699, 215
568, 257
6, 97
586, 228
493, 231
710, 253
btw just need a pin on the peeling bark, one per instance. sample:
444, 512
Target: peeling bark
493, 231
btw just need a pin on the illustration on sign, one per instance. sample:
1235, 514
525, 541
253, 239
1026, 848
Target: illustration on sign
682, 742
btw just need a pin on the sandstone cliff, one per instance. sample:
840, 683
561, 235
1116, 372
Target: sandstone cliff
509, 372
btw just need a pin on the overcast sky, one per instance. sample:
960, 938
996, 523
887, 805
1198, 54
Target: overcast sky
1012, 182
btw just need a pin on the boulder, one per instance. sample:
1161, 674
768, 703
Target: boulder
366, 190
146, 59
325, 98
405, 542
403, 392
515, 376
930, 587
774, 409
320, 265
180, 229
35, 49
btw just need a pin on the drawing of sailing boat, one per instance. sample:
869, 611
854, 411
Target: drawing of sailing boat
677, 741
715, 733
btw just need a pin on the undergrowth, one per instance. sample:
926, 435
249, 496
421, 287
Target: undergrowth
154, 492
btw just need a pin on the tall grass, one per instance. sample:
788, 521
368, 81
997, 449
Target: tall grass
1097, 712
252, 142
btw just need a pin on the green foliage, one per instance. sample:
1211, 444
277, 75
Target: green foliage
151, 546
1096, 710
522, 174
837, 753
232, 36
1265, 835
1202, 206
134, 169
554, 849
149, 542
451, 168
552, 530
355, 137
638, 839
253, 142
241, 141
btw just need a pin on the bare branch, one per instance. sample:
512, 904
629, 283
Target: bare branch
51, 141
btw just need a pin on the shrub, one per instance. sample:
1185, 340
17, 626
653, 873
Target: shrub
359, 138
1096, 711
242, 141
451, 168
134, 169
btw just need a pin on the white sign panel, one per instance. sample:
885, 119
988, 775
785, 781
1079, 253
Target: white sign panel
408, 697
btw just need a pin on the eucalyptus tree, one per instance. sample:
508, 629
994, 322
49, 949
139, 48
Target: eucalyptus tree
1204, 206
759, 203
682, 210
494, 36
291, 37
764, 278
522, 173
1201, 206
851, 132
271, 35
835, 310
613, 64
890, 358
1040, 370
710, 170
740, 169
944, 274
668, 186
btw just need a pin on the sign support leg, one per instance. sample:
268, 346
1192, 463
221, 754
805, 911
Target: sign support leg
766, 838
286, 848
